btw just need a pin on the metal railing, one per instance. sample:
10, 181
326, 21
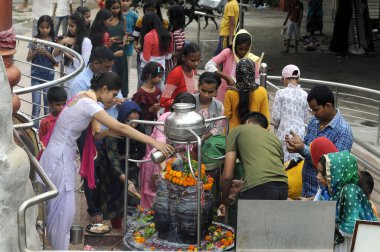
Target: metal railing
358, 105
24, 89
51, 190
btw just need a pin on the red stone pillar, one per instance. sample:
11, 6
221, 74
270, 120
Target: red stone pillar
7, 48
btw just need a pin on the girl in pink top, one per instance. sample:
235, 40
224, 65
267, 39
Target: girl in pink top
149, 171
156, 43
229, 58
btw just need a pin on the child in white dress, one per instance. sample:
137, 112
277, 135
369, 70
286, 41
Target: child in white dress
290, 108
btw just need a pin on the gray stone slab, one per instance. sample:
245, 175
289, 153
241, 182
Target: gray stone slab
265, 225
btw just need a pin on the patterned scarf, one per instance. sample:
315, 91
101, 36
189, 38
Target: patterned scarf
342, 179
245, 76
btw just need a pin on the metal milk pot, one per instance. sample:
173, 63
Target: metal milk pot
183, 118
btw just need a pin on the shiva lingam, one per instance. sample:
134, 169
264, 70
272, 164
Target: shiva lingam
184, 126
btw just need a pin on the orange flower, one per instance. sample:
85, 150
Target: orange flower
229, 234
191, 248
210, 179
139, 239
207, 186
207, 237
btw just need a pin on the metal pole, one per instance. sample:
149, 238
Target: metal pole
199, 30
127, 142
62, 70
50, 193
378, 127
127, 147
263, 75
333, 10
336, 97
199, 189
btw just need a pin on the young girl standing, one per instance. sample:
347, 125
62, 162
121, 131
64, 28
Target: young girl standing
150, 6
149, 171
229, 58
147, 97
77, 40
117, 39
42, 56
156, 42
86, 12
246, 97
182, 78
290, 109
99, 29
131, 18
207, 105
177, 28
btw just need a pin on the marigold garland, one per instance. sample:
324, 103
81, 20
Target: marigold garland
186, 179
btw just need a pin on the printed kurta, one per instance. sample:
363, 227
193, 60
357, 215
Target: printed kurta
290, 113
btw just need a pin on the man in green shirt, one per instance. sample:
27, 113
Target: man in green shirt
262, 156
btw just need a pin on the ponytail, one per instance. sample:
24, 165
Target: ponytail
109, 79
243, 106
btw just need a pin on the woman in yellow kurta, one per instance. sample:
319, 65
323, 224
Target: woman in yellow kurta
246, 97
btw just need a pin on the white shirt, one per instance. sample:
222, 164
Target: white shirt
42, 7
63, 7
86, 52
290, 111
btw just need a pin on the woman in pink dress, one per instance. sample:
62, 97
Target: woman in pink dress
149, 171
59, 158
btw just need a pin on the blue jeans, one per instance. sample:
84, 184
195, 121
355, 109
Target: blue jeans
36, 100
57, 24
